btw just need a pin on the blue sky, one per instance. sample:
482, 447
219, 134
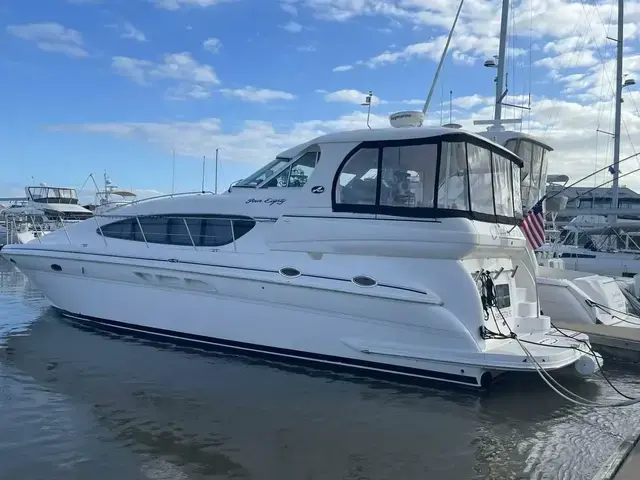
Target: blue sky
91, 85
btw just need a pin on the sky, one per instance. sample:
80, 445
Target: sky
119, 85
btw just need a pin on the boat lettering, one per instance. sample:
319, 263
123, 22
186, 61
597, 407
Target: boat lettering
268, 201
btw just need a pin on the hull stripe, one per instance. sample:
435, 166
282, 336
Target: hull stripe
270, 352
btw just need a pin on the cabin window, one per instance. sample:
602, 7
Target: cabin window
207, 231
453, 175
453, 182
480, 179
357, 183
408, 176
296, 174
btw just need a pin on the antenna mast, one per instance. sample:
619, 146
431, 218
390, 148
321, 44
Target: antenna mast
444, 54
500, 63
618, 117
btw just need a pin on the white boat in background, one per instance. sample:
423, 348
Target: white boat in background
370, 249
111, 197
44, 210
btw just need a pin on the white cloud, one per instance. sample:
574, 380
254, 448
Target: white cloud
471, 101
355, 97
177, 4
255, 144
292, 27
584, 58
51, 37
307, 48
133, 68
257, 95
194, 80
289, 8
342, 68
129, 31
569, 127
212, 44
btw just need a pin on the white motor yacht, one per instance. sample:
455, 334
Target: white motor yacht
45, 209
377, 250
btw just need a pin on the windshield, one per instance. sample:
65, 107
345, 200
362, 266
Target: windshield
265, 172
53, 195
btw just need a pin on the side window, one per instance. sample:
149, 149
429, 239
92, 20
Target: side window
408, 176
122, 229
302, 170
453, 184
517, 194
178, 233
154, 228
201, 232
357, 183
502, 186
297, 174
217, 232
480, 182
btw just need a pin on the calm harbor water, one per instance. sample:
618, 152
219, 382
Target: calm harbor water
79, 404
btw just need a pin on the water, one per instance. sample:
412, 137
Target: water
78, 404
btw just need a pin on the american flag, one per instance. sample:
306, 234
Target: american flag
533, 225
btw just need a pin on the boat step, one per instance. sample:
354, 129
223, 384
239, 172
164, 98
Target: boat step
526, 309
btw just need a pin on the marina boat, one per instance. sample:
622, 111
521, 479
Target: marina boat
44, 210
110, 197
570, 290
376, 250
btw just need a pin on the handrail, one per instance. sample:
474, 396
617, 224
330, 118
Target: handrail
171, 195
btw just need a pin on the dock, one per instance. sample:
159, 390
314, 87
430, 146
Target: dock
624, 463
622, 342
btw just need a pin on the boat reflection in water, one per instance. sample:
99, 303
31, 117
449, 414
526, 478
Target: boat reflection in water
184, 414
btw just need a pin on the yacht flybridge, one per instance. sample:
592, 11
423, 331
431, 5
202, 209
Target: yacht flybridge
394, 251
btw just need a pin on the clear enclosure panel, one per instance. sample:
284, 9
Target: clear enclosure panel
357, 183
525, 152
536, 166
408, 176
543, 173
517, 193
453, 181
502, 186
480, 181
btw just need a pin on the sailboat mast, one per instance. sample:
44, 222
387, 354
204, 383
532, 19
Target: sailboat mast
502, 63
618, 115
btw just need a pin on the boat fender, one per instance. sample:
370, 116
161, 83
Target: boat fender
587, 364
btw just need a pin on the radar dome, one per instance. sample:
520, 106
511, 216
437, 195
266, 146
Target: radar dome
409, 118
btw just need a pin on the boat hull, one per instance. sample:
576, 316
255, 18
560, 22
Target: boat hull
272, 316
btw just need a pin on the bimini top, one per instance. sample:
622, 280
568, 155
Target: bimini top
391, 134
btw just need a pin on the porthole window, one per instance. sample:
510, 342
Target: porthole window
364, 281
289, 272
55, 267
